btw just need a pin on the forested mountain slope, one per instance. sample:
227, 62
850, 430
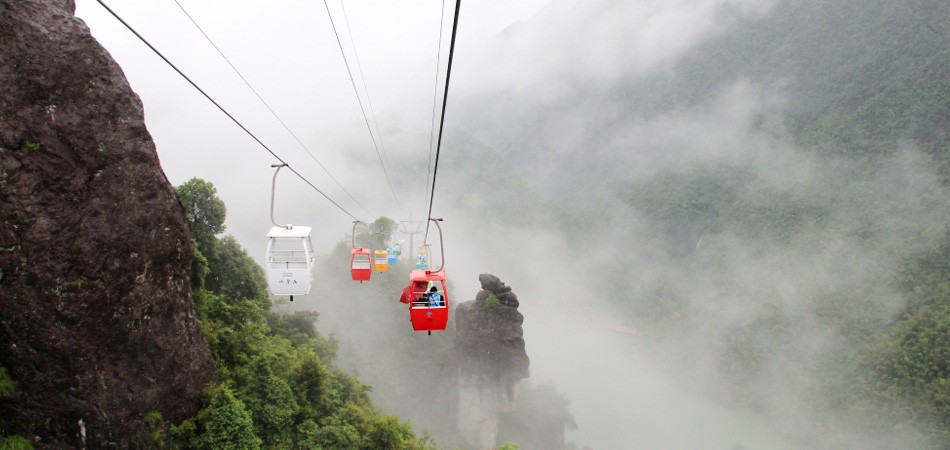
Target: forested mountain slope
848, 78
857, 76
769, 199
279, 387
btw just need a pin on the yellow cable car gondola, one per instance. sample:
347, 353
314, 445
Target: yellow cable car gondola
381, 261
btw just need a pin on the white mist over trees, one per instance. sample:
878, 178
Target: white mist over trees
725, 220
747, 201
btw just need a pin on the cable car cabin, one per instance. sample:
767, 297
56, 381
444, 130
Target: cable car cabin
428, 312
381, 261
397, 249
289, 260
422, 258
360, 264
391, 255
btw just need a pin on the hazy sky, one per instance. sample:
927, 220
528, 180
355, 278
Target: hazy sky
288, 52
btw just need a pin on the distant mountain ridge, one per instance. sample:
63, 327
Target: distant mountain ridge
855, 78
855, 72
770, 200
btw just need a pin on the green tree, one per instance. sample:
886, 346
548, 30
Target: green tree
199, 268
389, 432
333, 432
905, 376
234, 274
228, 424
299, 328
376, 235
272, 404
232, 328
204, 211
311, 380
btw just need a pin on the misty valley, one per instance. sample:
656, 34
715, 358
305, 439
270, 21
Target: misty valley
708, 224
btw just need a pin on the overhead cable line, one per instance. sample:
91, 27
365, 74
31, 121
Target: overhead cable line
369, 99
362, 109
273, 113
233, 119
435, 102
445, 98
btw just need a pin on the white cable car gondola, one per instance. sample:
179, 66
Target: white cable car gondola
289, 263
289, 260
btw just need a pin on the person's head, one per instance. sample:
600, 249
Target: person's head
433, 289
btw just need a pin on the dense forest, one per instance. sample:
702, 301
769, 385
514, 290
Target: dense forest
278, 386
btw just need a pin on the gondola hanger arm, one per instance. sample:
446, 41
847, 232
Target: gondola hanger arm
273, 193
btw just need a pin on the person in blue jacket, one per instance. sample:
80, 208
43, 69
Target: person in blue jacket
435, 298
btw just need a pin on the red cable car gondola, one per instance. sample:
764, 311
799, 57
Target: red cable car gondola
361, 265
429, 309
427, 297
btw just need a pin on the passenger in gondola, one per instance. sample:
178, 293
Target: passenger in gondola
415, 294
435, 298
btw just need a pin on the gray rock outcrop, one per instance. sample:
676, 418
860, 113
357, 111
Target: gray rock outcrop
96, 318
491, 356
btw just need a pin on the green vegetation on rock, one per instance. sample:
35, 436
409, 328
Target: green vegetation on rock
15, 443
7, 387
277, 387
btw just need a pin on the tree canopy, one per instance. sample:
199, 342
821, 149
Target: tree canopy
278, 387
204, 211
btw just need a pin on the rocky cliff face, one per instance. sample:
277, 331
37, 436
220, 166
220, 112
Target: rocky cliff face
489, 346
96, 318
